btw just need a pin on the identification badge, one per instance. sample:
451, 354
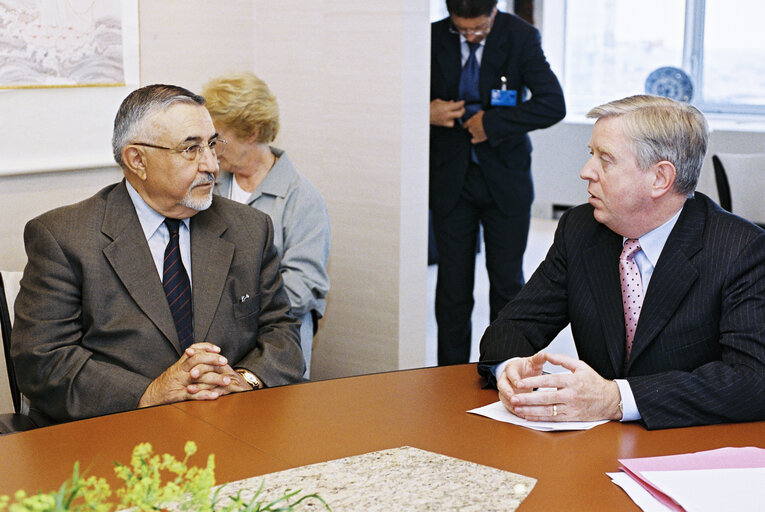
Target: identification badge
503, 98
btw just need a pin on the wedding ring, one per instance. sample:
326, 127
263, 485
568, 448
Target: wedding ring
555, 409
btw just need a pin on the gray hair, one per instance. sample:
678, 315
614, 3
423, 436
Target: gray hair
662, 129
139, 105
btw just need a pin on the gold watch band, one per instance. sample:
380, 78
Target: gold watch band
250, 378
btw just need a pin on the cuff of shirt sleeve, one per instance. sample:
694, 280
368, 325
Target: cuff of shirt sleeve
629, 407
497, 369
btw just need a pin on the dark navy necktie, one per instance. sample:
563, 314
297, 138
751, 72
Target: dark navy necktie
469, 83
468, 90
177, 287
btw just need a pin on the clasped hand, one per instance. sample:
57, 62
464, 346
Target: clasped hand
446, 113
200, 374
582, 395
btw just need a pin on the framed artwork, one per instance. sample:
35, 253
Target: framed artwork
65, 66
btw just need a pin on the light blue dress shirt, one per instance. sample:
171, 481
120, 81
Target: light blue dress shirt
157, 234
465, 50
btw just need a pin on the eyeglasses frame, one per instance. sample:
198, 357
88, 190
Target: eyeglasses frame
183, 152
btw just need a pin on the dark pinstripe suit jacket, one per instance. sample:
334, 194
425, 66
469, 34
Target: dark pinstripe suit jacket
699, 351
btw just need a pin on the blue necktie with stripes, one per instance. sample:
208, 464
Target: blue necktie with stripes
177, 287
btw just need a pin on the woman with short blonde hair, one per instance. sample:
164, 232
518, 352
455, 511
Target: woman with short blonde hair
253, 172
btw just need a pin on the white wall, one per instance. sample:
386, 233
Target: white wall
352, 81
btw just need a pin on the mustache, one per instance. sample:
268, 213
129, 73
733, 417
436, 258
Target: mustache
204, 179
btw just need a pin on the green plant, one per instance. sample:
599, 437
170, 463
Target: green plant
152, 482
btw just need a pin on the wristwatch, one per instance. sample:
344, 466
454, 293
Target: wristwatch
250, 378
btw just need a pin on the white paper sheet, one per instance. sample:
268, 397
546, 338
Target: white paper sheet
640, 496
699, 490
497, 411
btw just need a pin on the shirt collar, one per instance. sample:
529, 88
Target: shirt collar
464, 41
148, 217
653, 242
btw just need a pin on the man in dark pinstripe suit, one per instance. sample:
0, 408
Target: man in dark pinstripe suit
698, 354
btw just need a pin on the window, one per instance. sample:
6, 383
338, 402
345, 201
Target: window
610, 48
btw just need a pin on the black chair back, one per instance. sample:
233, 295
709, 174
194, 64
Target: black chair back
5, 332
723, 187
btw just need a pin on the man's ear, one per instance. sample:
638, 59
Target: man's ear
134, 161
664, 178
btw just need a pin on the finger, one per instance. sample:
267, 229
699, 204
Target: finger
206, 346
201, 370
201, 347
538, 360
552, 380
554, 412
505, 401
205, 394
515, 370
203, 358
214, 379
565, 361
536, 398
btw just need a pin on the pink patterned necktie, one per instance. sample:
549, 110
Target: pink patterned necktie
632, 290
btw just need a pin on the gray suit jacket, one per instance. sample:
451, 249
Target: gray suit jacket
93, 327
699, 351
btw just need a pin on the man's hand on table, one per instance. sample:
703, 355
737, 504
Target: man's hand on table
582, 395
200, 374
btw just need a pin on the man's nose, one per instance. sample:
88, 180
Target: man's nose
587, 173
208, 159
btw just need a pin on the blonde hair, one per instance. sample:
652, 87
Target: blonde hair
243, 103
662, 129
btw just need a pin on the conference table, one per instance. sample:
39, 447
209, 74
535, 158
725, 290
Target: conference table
270, 430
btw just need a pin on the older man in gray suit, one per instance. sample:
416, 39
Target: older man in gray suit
108, 318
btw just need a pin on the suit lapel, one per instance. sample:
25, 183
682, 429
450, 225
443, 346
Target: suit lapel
495, 53
602, 263
211, 258
449, 58
672, 278
130, 257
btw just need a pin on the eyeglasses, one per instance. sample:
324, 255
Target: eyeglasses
216, 146
482, 30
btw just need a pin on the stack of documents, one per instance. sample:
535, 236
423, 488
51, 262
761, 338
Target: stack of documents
722, 479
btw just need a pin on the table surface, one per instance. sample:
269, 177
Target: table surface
274, 429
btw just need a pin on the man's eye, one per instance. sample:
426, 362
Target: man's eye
192, 150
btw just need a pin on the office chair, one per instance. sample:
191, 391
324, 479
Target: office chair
741, 184
15, 419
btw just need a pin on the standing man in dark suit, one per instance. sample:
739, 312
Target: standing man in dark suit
483, 63
109, 318
664, 290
